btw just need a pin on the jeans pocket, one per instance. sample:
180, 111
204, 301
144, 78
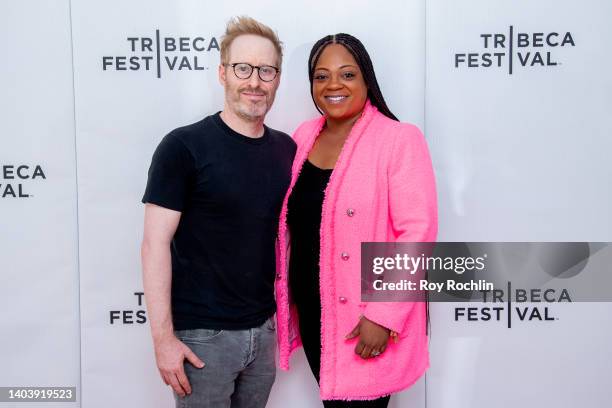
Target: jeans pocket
197, 335
270, 324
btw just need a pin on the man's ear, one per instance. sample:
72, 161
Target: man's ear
222, 72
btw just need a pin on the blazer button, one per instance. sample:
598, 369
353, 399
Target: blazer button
342, 299
350, 212
278, 276
344, 256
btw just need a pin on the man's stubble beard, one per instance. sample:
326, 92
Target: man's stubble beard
247, 111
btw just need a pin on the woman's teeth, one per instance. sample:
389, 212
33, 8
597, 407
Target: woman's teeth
335, 99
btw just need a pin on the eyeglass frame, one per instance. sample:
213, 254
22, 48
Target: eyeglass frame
233, 65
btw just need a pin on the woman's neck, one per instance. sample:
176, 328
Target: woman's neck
340, 128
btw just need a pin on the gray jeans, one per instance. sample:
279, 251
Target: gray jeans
239, 367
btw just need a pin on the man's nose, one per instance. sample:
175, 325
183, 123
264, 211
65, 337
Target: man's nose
254, 80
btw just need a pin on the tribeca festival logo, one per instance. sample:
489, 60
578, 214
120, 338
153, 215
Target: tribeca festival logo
516, 49
497, 303
496, 308
13, 178
159, 54
130, 316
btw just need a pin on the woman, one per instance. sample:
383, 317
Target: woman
359, 175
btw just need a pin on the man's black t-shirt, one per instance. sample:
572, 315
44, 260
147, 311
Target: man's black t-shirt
229, 189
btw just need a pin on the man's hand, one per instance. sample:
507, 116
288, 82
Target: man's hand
373, 338
170, 354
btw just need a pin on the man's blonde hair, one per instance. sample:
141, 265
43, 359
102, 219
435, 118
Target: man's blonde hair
242, 25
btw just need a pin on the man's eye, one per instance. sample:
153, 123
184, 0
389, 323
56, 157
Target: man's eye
266, 70
243, 68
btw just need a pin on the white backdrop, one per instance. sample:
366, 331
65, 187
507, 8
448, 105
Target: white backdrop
518, 157
521, 157
39, 281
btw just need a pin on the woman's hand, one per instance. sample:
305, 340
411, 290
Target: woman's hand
373, 338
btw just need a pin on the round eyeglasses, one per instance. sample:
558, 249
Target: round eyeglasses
243, 70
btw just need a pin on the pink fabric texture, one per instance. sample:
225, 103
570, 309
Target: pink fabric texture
384, 179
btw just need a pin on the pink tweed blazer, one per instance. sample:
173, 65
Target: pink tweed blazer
382, 189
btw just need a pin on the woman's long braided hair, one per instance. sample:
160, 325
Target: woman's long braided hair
358, 51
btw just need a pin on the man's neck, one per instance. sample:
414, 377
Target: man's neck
254, 129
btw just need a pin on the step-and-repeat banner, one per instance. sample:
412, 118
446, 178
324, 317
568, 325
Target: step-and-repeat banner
518, 117
513, 98
39, 278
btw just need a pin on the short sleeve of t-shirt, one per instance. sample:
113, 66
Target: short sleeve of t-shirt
170, 173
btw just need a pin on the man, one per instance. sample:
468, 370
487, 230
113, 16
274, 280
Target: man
213, 198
